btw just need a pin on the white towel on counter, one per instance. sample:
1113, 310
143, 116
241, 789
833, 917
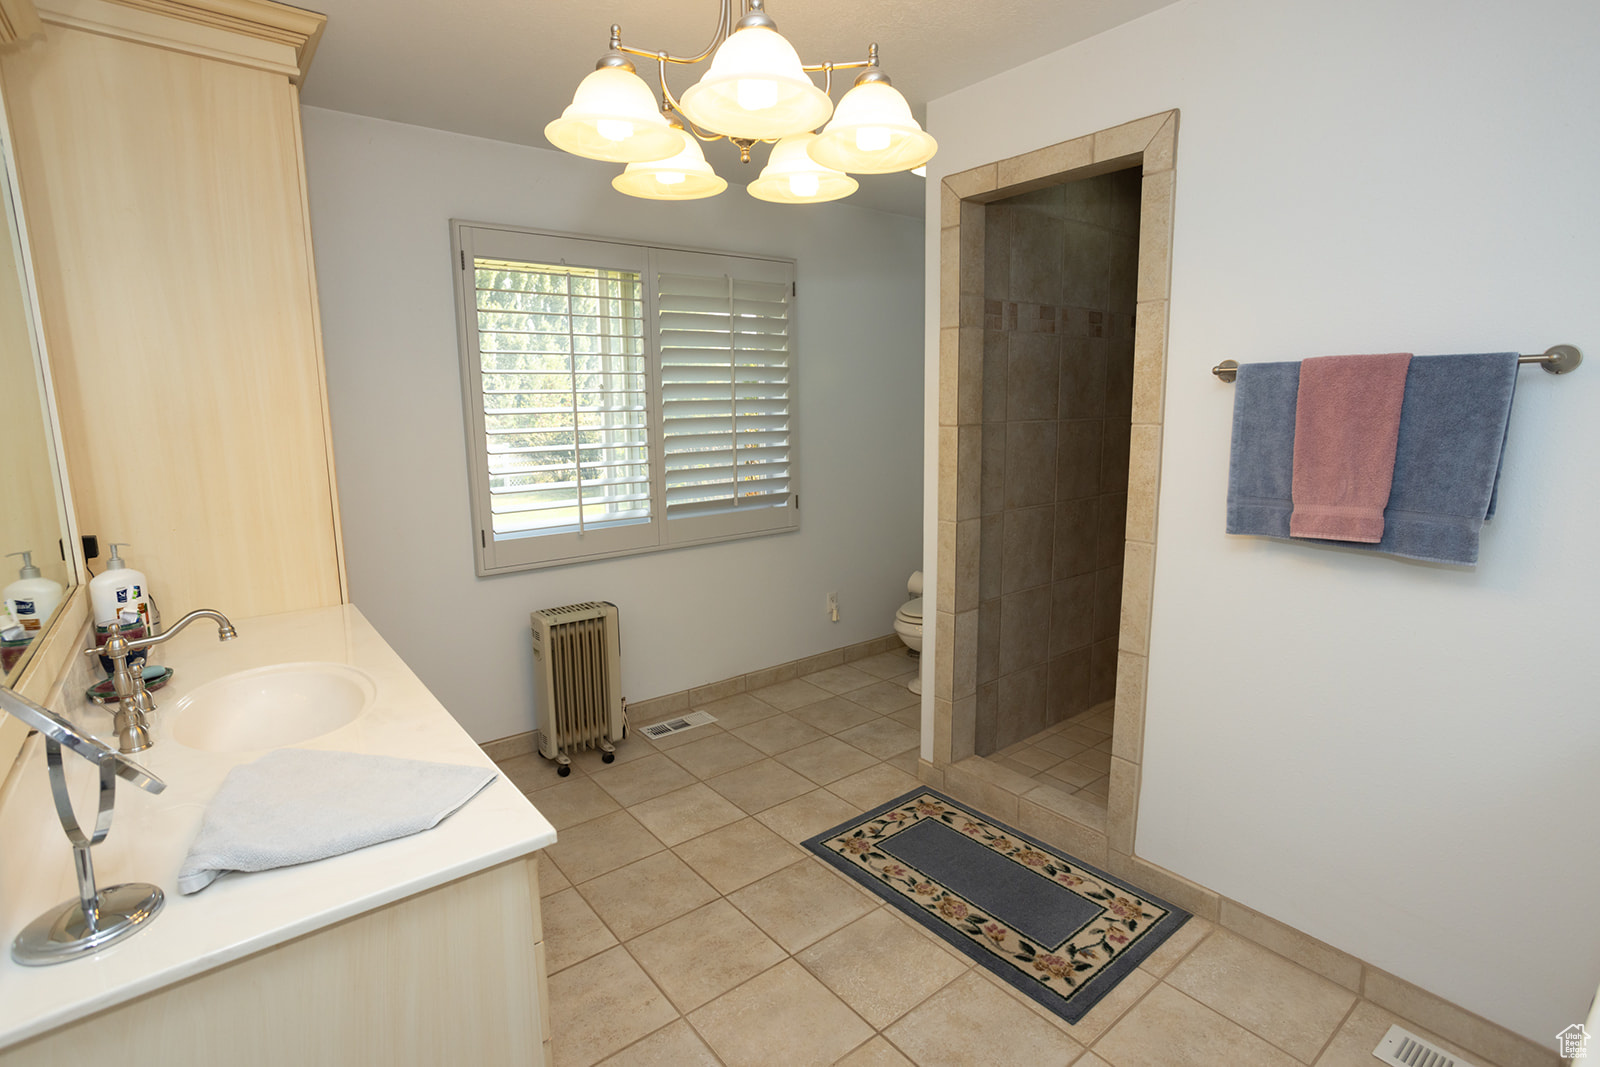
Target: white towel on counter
297, 805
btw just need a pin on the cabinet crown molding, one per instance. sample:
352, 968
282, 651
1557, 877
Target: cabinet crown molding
271, 36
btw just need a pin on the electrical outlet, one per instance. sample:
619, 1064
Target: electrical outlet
833, 606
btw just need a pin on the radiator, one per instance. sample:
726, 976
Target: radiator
577, 670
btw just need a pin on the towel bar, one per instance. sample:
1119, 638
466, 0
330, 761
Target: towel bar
1558, 360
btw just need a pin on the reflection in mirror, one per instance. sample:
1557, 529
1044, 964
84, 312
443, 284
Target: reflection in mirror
33, 515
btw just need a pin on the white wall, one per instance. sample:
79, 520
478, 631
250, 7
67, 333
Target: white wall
1397, 758
382, 195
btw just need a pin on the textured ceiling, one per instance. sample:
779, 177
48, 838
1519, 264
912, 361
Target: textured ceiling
504, 68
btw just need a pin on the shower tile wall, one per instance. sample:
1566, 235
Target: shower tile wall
1061, 265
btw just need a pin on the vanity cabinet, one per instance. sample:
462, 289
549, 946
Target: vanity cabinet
161, 174
453, 975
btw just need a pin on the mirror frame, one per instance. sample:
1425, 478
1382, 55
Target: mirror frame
43, 663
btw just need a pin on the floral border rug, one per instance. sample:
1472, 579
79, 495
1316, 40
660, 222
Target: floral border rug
1059, 930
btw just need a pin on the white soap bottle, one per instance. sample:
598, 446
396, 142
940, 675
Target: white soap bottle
31, 598
116, 593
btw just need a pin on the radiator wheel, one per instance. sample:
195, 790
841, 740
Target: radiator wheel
609, 757
564, 770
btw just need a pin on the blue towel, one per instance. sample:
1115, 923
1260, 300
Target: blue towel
1261, 468
1447, 462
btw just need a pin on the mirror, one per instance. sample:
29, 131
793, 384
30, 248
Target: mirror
33, 510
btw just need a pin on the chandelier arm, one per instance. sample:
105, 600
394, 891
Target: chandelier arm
723, 31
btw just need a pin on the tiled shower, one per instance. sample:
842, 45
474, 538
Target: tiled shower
1061, 265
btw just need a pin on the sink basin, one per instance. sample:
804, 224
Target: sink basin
270, 707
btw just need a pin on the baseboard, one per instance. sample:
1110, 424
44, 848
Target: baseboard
641, 712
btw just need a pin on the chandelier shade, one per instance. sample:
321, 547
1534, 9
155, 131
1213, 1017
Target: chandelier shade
614, 117
756, 89
873, 132
685, 176
791, 176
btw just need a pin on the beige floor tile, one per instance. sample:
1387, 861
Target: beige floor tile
631, 783
1101, 720
967, 1021
834, 714
808, 815
1038, 758
887, 664
1271, 997
1113, 1006
1100, 787
782, 1016
1352, 1046
530, 772
884, 697
1167, 1028
645, 894
911, 716
905, 761
880, 737
741, 709
572, 930
876, 785
1016, 765
1180, 944
759, 786
705, 953
551, 880
876, 1053
843, 679
802, 903
714, 755
1064, 747
677, 816
1090, 1060
826, 760
572, 801
602, 1005
600, 845
1095, 760
780, 733
736, 855
786, 696
1074, 775
676, 1045
882, 966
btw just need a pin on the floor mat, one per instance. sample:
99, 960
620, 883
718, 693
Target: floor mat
1052, 926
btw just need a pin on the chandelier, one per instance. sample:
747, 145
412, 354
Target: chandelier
756, 90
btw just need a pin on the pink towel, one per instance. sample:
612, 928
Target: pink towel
1346, 424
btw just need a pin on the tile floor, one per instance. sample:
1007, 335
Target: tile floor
684, 925
1074, 755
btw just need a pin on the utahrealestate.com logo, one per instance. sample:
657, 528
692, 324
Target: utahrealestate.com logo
1573, 1042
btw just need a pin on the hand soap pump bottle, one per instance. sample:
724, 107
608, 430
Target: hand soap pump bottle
119, 594
31, 598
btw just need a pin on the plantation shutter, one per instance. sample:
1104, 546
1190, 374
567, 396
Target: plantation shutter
562, 386
724, 333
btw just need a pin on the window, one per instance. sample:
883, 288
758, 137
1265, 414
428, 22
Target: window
622, 398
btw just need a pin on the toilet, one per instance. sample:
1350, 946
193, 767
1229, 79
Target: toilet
908, 624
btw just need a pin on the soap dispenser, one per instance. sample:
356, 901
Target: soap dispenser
31, 598
118, 595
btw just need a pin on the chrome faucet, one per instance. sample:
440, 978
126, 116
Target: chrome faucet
134, 703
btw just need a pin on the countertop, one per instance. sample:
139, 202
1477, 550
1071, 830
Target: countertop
239, 914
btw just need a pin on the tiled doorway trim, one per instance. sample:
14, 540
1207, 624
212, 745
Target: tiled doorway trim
1151, 144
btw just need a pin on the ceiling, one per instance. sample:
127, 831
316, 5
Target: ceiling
502, 69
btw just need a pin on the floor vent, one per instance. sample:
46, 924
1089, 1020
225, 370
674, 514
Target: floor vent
1404, 1049
657, 730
